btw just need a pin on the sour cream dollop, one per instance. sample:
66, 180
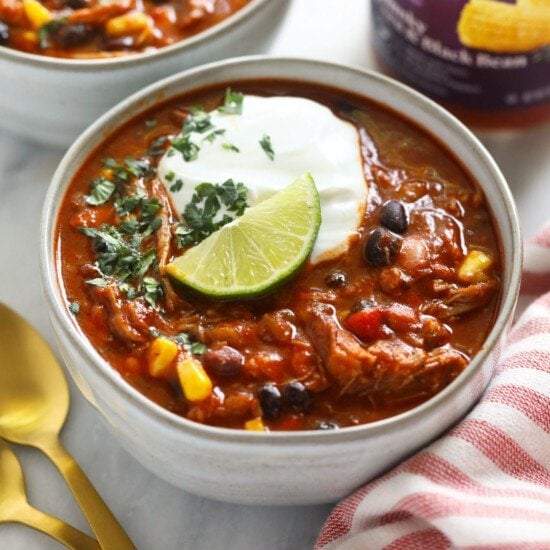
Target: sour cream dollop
305, 137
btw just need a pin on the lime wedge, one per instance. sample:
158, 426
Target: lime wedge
259, 250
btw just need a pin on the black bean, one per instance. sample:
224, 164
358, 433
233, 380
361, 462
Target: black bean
297, 396
4, 33
271, 402
394, 217
336, 279
363, 304
381, 247
77, 4
224, 361
74, 35
327, 426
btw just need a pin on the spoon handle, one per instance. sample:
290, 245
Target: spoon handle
109, 532
55, 528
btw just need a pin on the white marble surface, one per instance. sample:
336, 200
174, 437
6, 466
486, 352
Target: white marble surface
156, 515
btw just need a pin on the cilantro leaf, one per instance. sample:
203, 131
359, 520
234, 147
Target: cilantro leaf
197, 348
152, 290
158, 147
47, 30
265, 143
137, 167
187, 341
213, 135
176, 186
232, 104
231, 147
206, 204
186, 147
101, 190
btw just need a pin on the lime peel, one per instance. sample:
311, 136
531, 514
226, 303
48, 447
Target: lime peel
258, 251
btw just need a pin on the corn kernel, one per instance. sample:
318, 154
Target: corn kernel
36, 13
194, 381
160, 355
255, 425
29, 37
474, 267
107, 173
130, 23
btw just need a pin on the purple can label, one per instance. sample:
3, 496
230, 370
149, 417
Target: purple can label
446, 49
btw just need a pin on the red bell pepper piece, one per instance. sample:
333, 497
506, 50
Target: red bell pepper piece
366, 324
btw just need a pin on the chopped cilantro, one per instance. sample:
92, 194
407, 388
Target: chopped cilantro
129, 227
119, 248
125, 205
176, 186
199, 121
207, 201
125, 256
185, 340
232, 104
152, 290
214, 134
231, 147
138, 168
131, 292
46, 31
186, 147
265, 143
197, 348
101, 190
170, 175
158, 147
74, 308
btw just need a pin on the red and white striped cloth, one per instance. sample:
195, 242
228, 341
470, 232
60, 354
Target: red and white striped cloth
486, 483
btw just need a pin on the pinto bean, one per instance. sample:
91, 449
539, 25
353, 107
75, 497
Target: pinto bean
224, 361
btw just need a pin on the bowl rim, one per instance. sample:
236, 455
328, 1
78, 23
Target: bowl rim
93, 64
58, 312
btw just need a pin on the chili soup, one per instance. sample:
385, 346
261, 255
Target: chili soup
381, 318
91, 29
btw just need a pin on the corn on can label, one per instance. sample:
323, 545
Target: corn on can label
488, 54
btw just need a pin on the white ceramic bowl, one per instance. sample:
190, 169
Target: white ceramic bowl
292, 467
52, 100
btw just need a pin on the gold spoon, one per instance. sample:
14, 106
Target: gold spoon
15, 508
34, 402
